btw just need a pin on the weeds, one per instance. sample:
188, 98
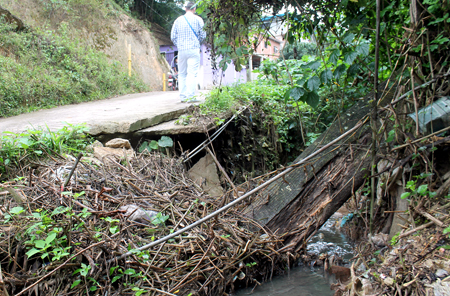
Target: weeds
19, 148
46, 68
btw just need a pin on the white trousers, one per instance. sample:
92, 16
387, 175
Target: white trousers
188, 65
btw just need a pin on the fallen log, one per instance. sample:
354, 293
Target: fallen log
301, 202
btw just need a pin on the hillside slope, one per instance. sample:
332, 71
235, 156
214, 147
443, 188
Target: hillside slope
100, 24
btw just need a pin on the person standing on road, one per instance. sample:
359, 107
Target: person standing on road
187, 35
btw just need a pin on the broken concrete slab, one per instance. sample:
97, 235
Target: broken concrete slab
172, 128
119, 115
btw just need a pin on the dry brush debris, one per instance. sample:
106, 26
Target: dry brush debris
63, 238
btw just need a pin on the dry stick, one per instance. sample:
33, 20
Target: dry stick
429, 217
72, 170
238, 200
59, 267
223, 171
199, 262
2, 283
421, 139
423, 226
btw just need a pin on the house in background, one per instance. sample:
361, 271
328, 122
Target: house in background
268, 47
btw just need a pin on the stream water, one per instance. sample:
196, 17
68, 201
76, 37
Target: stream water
305, 280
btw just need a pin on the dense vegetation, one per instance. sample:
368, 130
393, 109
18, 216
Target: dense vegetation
163, 13
43, 68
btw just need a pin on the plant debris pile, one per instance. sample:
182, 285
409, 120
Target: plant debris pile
61, 240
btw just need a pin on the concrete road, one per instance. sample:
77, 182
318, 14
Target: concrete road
122, 114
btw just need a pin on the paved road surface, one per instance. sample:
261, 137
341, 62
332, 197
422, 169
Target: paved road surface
122, 114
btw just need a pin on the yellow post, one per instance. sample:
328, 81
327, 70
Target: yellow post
164, 81
129, 59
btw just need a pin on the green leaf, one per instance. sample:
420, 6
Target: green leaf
423, 189
405, 195
75, 283
350, 56
391, 136
117, 277
40, 244
311, 98
348, 38
153, 145
326, 76
17, 210
143, 146
353, 70
130, 271
334, 56
165, 141
339, 71
313, 83
287, 95
314, 65
114, 229
51, 237
363, 49
31, 252
93, 288
296, 93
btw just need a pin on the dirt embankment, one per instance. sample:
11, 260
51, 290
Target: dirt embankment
101, 25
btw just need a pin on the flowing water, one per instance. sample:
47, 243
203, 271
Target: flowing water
305, 280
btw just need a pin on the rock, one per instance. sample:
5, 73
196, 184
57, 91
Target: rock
380, 240
204, 173
136, 214
441, 288
97, 143
118, 143
367, 287
441, 273
388, 281
103, 153
342, 273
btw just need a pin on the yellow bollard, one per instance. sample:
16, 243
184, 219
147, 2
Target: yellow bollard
129, 60
164, 81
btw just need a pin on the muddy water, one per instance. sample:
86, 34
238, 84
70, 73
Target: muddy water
307, 280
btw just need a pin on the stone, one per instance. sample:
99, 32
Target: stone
367, 287
103, 153
204, 173
388, 281
380, 240
118, 143
441, 273
136, 214
90, 148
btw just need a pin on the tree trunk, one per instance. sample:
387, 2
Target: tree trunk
302, 202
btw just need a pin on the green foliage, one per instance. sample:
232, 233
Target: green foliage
18, 148
162, 13
164, 142
45, 68
160, 219
415, 191
298, 49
